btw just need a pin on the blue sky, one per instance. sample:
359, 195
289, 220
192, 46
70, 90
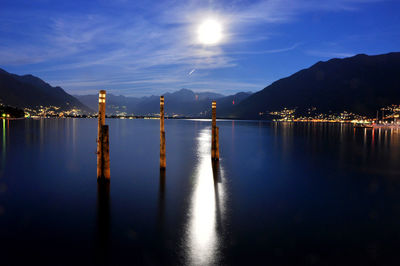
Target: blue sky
138, 48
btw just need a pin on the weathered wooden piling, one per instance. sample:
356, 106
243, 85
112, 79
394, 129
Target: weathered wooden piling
214, 133
103, 169
103, 146
162, 135
102, 112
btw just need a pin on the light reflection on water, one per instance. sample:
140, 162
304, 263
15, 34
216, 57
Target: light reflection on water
3, 146
275, 182
204, 231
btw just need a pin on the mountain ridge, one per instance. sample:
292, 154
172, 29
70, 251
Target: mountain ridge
28, 91
360, 84
182, 102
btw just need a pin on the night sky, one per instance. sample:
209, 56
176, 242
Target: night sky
138, 48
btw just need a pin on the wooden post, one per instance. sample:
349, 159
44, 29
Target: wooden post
103, 168
214, 140
103, 154
101, 122
162, 134
102, 111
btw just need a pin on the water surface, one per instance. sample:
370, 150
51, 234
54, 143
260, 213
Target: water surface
282, 194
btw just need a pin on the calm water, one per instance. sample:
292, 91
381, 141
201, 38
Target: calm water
282, 194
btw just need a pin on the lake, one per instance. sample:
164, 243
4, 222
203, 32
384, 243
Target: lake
282, 194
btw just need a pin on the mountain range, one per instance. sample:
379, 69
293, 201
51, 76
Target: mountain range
360, 84
28, 91
183, 102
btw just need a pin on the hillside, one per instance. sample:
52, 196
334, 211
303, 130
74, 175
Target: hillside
30, 91
360, 84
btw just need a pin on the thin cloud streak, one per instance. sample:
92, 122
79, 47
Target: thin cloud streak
272, 51
329, 54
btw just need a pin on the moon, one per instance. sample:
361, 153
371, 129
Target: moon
210, 32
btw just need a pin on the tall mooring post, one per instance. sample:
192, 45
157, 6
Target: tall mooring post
214, 134
102, 113
162, 135
103, 145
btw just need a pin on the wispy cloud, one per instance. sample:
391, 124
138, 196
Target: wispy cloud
149, 48
271, 51
329, 54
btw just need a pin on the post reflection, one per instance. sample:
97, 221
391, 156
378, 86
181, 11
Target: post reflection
103, 223
204, 229
161, 200
217, 182
162, 243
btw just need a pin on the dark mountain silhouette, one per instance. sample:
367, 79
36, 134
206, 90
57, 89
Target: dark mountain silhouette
360, 84
183, 102
227, 105
30, 91
114, 102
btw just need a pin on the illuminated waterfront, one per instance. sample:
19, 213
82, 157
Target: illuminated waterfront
283, 193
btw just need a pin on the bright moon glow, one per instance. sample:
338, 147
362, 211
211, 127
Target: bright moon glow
210, 32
